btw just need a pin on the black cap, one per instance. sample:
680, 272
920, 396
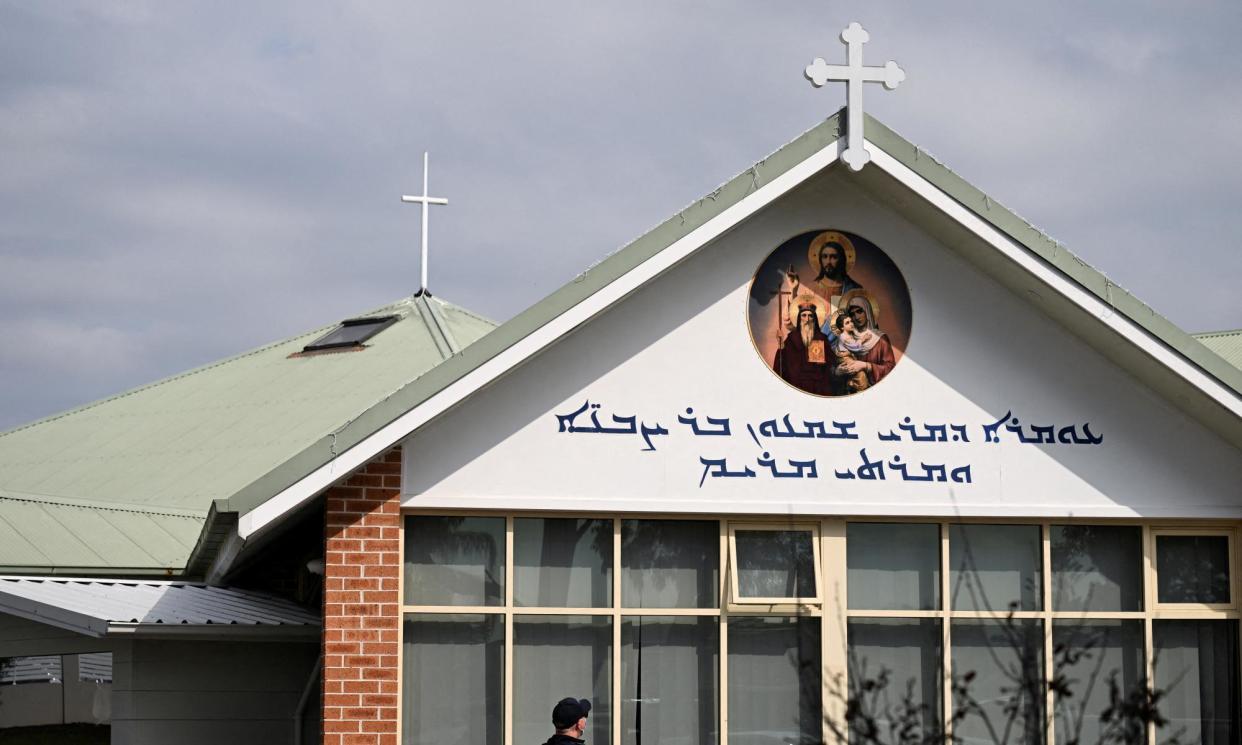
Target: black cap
568, 711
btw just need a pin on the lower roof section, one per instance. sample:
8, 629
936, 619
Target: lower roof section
67, 536
101, 608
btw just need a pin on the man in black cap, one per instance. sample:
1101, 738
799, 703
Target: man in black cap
569, 716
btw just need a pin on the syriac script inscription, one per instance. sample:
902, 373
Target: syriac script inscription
768, 435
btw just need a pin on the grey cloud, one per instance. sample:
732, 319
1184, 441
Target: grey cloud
182, 182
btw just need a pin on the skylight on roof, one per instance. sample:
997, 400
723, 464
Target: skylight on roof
351, 333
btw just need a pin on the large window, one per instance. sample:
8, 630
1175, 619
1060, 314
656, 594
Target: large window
754, 632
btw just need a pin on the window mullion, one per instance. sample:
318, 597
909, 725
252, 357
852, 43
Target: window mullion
1046, 604
722, 602
946, 667
616, 632
1149, 604
509, 630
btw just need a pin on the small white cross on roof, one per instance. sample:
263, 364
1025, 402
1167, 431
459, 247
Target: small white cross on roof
854, 75
426, 201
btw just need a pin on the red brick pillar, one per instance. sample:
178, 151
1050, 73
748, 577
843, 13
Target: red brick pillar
361, 605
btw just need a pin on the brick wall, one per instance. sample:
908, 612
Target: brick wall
361, 617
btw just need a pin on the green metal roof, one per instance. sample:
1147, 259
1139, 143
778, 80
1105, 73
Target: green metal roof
1227, 344
126, 482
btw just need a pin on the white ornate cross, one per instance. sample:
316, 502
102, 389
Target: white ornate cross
854, 75
426, 201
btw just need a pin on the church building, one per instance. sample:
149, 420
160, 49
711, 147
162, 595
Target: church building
843, 447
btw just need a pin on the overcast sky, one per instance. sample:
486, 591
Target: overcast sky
183, 181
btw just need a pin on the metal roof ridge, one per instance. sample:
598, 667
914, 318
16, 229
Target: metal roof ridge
1213, 334
59, 501
440, 323
93, 580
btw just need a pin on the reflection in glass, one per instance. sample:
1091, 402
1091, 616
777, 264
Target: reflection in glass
453, 679
894, 662
454, 560
1007, 689
670, 666
774, 681
893, 566
1091, 657
1097, 567
1197, 671
670, 563
995, 567
1192, 568
555, 657
775, 563
562, 562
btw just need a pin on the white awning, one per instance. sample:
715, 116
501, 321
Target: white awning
101, 608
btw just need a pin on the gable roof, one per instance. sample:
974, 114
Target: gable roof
1120, 326
262, 487
124, 484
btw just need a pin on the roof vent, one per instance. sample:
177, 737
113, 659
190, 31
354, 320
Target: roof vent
351, 333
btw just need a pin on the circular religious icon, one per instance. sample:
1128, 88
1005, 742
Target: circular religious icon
829, 313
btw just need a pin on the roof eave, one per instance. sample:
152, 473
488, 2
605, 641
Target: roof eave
216, 631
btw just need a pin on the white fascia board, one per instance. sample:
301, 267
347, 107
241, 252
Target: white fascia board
306, 488
1068, 288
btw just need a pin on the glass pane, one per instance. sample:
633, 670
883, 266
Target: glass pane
562, 562
670, 667
1192, 568
670, 563
453, 679
1097, 567
774, 681
995, 567
555, 657
1197, 672
775, 563
893, 566
895, 680
1092, 657
454, 560
998, 679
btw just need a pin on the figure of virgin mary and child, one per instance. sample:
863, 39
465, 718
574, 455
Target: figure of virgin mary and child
862, 354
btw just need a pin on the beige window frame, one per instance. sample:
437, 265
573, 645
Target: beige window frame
830, 604
1048, 617
735, 596
1232, 565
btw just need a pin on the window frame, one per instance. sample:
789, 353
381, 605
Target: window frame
1231, 564
829, 533
735, 598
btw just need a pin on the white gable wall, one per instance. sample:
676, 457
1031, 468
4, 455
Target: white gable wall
976, 352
